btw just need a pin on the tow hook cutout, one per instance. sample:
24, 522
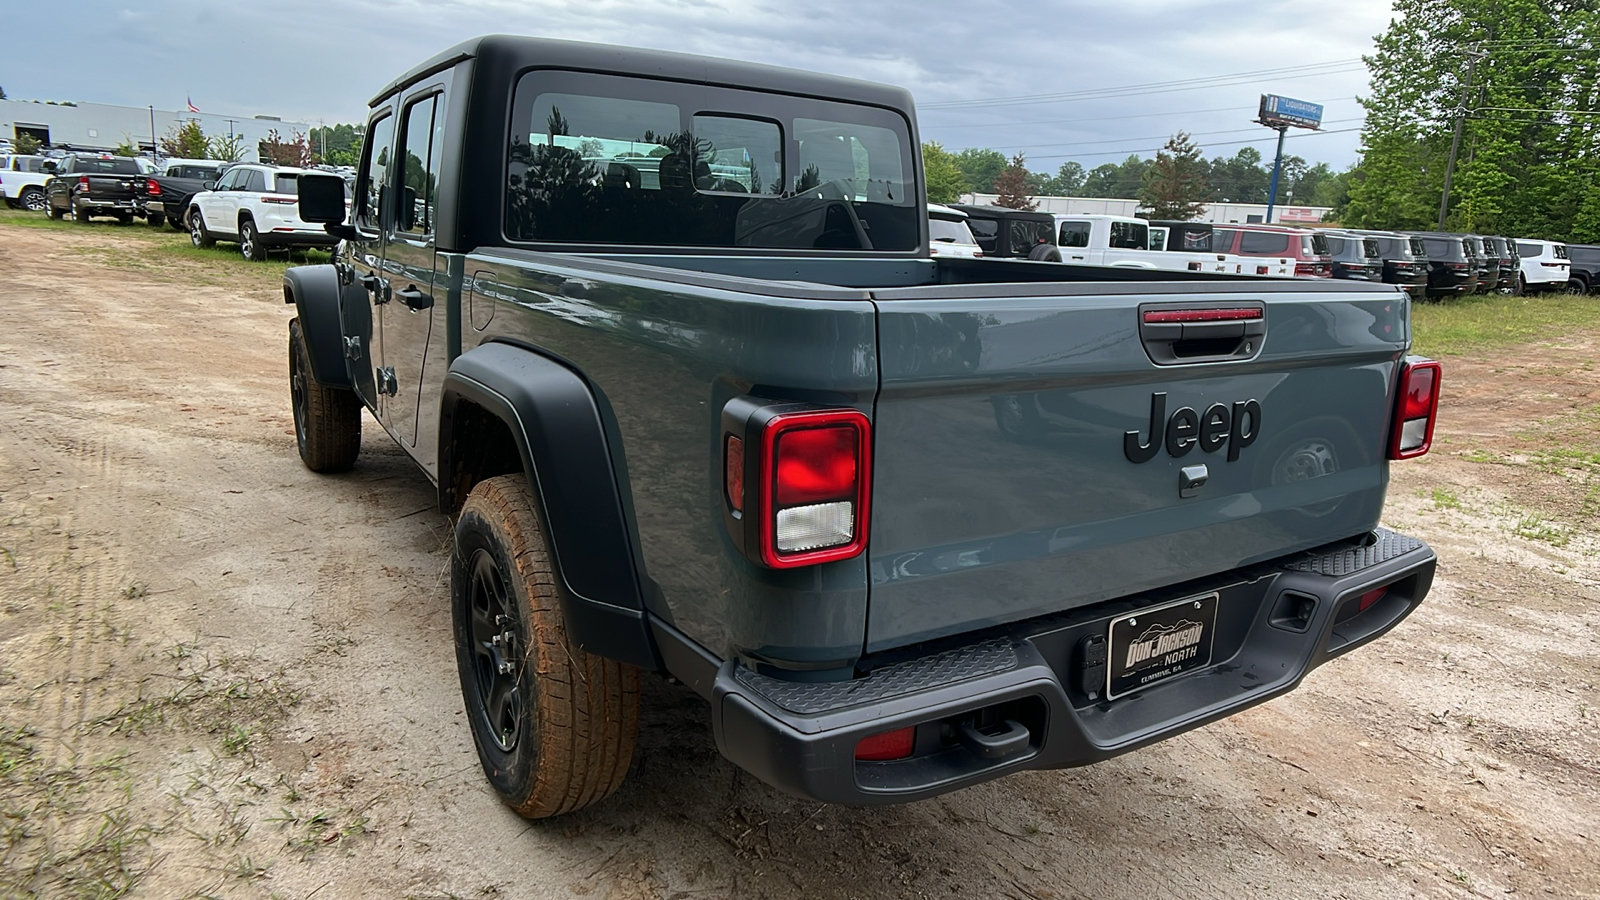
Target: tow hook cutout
1009, 739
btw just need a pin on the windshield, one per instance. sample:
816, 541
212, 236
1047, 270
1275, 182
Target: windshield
949, 231
606, 159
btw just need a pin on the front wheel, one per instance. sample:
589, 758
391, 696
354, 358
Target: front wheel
327, 421
250, 246
198, 235
553, 724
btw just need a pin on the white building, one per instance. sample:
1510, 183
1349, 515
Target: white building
1239, 213
99, 126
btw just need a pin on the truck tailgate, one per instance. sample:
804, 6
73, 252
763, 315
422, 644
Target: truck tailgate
111, 187
1006, 484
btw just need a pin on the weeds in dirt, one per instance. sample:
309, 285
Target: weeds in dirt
64, 831
1538, 528
1443, 499
305, 833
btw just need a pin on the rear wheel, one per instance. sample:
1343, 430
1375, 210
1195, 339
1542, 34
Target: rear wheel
51, 211
33, 199
124, 218
175, 223
554, 725
80, 213
327, 421
1577, 286
250, 246
198, 235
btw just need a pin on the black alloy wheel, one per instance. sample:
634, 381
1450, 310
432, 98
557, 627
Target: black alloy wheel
497, 644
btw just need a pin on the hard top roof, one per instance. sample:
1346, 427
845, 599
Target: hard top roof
530, 52
1004, 212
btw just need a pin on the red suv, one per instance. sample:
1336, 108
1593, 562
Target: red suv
1306, 250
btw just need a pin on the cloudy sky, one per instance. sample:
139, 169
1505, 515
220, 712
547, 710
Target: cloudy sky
1053, 79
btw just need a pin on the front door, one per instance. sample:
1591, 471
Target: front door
361, 277
413, 320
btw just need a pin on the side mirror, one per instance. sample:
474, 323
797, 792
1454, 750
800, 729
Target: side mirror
322, 202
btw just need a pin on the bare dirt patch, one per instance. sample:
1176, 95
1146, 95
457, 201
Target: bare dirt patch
222, 675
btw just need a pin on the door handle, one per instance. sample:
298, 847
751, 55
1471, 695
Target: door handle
377, 287
414, 298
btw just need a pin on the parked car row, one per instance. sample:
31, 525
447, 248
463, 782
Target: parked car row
1424, 264
255, 205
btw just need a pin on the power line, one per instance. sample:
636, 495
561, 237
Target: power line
1206, 144
1154, 87
1153, 137
1156, 115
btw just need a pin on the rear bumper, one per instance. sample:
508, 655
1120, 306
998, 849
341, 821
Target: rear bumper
1275, 623
297, 239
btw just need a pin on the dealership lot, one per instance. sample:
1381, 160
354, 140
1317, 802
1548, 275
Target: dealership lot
210, 683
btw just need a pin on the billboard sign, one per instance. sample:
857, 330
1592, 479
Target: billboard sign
1279, 111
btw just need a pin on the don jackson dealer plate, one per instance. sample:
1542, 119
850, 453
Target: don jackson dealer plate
1159, 643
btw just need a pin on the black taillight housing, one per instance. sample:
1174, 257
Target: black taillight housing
796, 481
1416, 408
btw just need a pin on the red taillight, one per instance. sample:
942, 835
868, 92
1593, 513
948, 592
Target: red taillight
83, 182
888, 745
813, 491
283, 200
1416, 411
1231, 314
152, 188
733, 473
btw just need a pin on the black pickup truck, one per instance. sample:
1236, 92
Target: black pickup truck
88, 185
165, 197
665, 333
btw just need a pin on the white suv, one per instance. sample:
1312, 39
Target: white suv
1544, 265
257, 206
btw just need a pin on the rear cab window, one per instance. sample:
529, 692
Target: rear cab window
605, 159
1129, 236
1074, 234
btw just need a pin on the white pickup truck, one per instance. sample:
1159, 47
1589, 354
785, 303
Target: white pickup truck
1128, 243
22, 181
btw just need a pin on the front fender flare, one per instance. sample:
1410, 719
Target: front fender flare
314, 291
555, 420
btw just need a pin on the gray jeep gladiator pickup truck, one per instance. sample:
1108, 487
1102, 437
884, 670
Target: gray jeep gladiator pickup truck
665, 333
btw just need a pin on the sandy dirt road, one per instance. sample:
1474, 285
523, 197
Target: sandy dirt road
222, 675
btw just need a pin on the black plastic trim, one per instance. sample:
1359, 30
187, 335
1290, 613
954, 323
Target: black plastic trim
314, 290
554, 419
1021, 690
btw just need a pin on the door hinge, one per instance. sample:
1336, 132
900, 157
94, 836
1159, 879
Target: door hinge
386, 381
352, 348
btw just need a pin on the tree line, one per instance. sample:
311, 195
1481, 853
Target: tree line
1178, 173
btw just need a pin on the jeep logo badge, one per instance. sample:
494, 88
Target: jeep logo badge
1237, 427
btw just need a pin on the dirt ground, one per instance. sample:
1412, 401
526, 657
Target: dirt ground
222, 675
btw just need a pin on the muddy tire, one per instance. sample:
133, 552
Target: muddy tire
554, 725
327, 421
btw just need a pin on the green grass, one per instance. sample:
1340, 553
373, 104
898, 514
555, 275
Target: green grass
1471, 325
167, 247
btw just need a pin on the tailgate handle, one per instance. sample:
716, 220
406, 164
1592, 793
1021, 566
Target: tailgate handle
1012, 739
1174, 334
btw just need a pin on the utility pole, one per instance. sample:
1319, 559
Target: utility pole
1455, 141
1277, 169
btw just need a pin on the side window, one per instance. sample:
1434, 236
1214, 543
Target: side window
256, 182
1074, 234
1264, 243
225, 183
371, 186
419, 174
985, 231
1129, 236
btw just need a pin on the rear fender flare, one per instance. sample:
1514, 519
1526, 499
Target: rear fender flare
555, 420
314, 291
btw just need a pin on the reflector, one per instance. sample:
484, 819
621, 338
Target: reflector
897, 744
816, 464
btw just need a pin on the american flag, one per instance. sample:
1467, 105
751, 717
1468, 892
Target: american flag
192, 107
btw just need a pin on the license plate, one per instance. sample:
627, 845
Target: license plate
1156, 644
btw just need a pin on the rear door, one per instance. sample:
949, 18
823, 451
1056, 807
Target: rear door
413, 319
1030, 447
